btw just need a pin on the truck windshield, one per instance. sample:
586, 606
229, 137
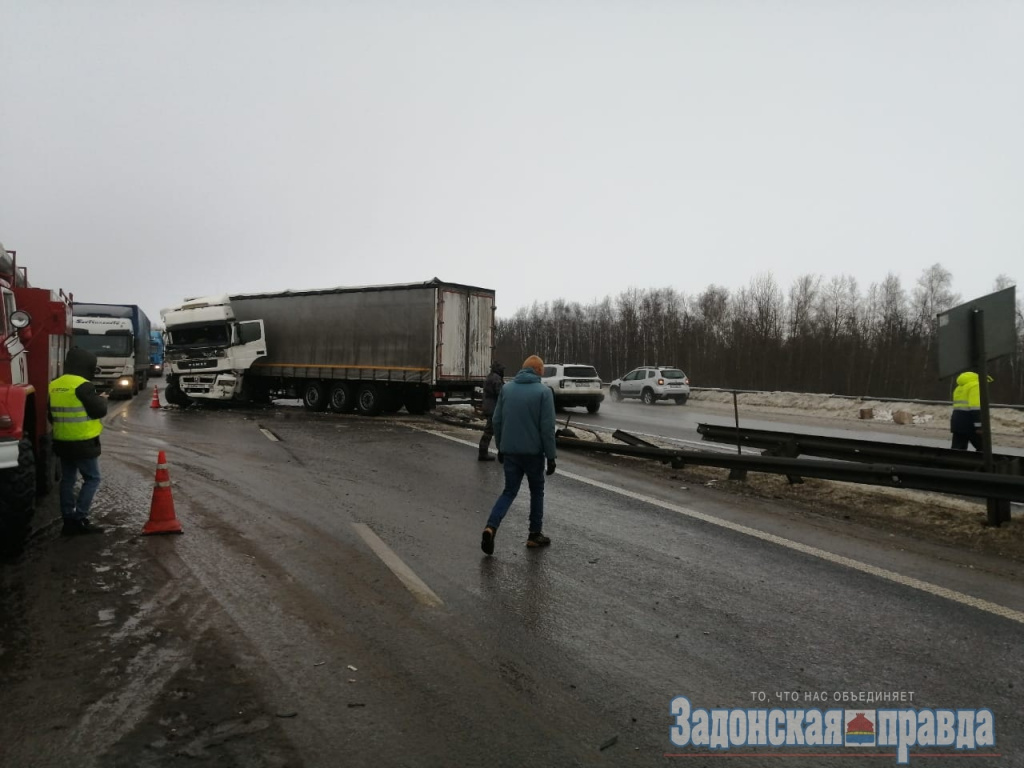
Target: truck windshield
105, 346
199, 334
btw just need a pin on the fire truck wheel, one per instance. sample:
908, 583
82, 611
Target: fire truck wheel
17, 500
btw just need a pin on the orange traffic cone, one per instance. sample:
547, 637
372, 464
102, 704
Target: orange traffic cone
156, 398
161, 511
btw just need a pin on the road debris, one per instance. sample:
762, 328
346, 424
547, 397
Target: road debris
609, 743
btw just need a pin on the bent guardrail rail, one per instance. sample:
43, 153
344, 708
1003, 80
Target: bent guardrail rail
939, 480
793, 444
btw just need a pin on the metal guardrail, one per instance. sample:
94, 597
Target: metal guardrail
793, 444
949, 481
861, 398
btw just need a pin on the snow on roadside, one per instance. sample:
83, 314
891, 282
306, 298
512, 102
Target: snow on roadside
829, 406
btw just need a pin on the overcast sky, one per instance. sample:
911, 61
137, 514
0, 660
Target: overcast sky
151, 151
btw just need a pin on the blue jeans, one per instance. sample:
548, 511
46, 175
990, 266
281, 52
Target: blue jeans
70, 509
516, 466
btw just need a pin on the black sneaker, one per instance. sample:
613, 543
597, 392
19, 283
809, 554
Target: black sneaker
487, 541
80, 528
537, 539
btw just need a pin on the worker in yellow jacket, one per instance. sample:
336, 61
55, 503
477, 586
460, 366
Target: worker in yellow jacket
965, 421
75, 409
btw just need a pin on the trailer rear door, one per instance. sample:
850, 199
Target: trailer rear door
465, 333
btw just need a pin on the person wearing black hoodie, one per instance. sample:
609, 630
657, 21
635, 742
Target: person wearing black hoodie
75, 409
492, 388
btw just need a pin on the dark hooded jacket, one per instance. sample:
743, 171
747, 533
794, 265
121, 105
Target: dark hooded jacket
82, 362
492, 388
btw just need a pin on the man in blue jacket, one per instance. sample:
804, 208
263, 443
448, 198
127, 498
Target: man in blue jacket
524, 429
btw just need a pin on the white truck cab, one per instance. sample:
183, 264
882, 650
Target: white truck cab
111, 340
208, 350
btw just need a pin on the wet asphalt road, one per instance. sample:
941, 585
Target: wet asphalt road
274, 632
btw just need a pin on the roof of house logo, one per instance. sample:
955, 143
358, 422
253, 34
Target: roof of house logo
860, 730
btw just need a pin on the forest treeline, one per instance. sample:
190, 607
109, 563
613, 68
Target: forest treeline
823, 335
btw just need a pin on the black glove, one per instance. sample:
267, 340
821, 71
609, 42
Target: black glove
551, 467
501, 457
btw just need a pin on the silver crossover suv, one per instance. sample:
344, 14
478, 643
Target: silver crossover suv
652, 383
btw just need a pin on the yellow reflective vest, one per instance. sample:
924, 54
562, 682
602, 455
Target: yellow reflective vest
70, 421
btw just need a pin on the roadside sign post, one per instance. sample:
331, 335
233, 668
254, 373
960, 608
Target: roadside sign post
969, 336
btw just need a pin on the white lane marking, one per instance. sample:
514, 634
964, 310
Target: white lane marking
269, 435
882, 573
412, 582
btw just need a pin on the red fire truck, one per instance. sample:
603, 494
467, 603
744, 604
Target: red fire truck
35, 333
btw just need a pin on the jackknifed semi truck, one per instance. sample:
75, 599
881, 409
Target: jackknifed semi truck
371, 349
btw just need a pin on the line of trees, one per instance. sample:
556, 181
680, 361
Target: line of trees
822, 335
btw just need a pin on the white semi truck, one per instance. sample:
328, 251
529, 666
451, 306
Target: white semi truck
370, 348
118, 334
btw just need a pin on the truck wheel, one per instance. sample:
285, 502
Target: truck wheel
593, 407
369, 400
174, 395
47, 468
341, 400
314, 397
391, 400
647, 398
17, 500
417, 402
616, 395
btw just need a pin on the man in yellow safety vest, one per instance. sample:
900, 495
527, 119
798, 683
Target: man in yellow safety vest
75, 410
965, 421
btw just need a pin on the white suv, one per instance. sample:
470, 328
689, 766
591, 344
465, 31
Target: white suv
573, 384
652, 383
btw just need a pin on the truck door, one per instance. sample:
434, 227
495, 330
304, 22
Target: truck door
252, 344
466, 322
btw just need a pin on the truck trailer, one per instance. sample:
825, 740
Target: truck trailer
372, 348
35, 335
119, 336
156, 353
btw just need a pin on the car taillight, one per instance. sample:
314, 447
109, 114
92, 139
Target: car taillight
686, 380
561, 384
661, 382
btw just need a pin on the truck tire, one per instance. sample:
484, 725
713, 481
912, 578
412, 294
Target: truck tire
391, 400
341, 399
17, 500
314, 396
647, 397
417, 401
174, 395
47, 468
369, 400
